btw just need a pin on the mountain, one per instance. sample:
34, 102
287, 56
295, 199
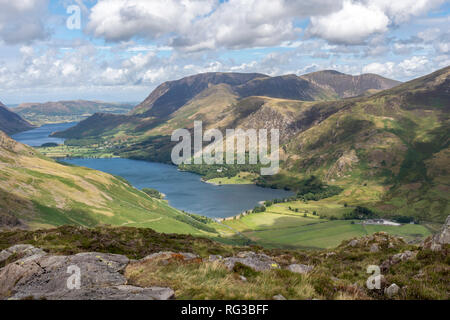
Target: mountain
346, 86
388, 151
172, 95
37, 192
68, 111
12, 123
203, 95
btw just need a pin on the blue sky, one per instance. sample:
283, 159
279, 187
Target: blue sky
125, 48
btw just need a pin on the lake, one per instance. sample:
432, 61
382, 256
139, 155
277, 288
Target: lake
38, 136
183, 190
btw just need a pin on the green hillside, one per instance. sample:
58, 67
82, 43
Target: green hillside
37, 192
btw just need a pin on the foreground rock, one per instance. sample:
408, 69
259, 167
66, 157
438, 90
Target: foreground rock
440, 239
300, 268
165, 257
392, 290
399, 257
256, 261
84, 276
19, 251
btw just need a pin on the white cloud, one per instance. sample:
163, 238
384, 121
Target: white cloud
386, 69
22, 21
352, 24
357, 20
196, 25
407, 69
118, 20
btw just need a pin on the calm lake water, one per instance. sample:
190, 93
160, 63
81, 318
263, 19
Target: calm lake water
183, 190
37, 137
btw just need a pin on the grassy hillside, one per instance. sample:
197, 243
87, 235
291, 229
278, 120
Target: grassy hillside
38, 192
388, 151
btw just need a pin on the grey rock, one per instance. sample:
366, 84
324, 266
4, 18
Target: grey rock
122, 292
167, 255
374, 248
437, 241
392, 290
353, 243
189, 256
19, 251
256, 261
444, 236
48, 277
213, 258
399, 257
300, 268
403, 256
279, 297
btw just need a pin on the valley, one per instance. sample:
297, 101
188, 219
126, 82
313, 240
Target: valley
368, 153
387, 150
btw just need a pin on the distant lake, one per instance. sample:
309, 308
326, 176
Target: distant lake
185, 190
39, 136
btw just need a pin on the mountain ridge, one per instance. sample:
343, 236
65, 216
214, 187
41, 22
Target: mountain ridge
68, 110
11, 122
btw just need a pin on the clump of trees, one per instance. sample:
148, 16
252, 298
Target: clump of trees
404, 219
258, 209
360, 213
153, 193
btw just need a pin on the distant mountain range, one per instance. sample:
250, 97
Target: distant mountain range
11, 122
384, 143
325, 85
68, 111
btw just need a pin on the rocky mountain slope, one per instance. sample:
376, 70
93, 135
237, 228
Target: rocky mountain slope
38, 192
11, 122
391, 148
346, 86
67, 111
215, 93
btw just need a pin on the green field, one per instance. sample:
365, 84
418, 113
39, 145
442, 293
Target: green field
64, 151
281, 228
241, 178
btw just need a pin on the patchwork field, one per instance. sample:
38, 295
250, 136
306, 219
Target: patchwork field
64, 151
280, 227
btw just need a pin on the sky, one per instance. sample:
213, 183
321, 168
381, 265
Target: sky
120, 50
